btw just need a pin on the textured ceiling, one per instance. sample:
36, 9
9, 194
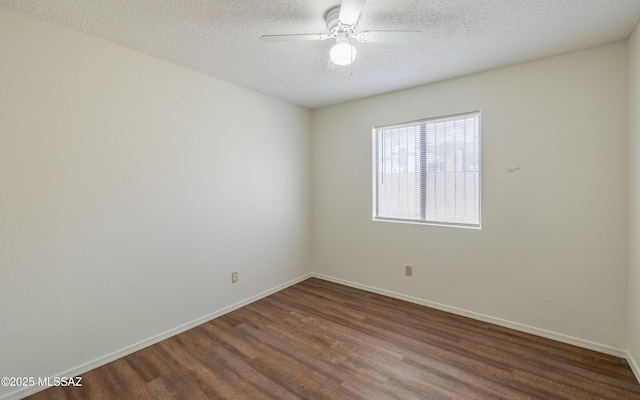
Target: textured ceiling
222, 38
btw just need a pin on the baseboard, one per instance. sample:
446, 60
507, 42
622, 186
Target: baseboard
634, 366
486, 318
81, 369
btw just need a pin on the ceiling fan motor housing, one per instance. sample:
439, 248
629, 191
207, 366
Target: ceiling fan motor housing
333, 23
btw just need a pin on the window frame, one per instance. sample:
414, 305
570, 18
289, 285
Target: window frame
423, 220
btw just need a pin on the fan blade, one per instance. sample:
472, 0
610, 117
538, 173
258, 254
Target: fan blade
294, 38
390, 36
350, 11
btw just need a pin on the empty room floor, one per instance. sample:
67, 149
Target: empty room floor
321, 340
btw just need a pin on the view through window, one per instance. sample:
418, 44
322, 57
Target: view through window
428, 171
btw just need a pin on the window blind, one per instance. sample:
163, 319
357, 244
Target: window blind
428, 171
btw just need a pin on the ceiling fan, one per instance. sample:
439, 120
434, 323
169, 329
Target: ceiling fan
341, 24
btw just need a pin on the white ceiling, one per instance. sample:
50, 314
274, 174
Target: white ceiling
222, 38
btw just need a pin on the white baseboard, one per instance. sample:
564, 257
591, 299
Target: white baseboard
79, 370
634, 366
486, 318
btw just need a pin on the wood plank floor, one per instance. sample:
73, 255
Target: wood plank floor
320, 340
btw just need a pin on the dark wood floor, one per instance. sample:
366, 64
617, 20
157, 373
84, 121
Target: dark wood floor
320, 340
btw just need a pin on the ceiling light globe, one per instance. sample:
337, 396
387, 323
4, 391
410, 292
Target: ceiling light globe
342, 54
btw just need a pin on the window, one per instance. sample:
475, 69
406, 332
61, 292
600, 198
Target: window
428, 171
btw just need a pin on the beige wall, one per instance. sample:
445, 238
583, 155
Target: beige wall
634, 201
130, 189
551, 257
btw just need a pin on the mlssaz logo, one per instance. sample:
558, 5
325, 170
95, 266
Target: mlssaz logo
61, 381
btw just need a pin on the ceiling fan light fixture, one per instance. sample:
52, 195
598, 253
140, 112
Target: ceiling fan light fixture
341, 22
343, 53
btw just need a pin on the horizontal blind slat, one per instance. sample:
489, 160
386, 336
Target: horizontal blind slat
428, 171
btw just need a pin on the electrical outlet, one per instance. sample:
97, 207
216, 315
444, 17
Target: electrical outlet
408, 270
234, 277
